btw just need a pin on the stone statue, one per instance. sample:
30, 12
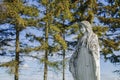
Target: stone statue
85, 62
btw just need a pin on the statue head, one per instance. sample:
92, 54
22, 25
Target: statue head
85, 26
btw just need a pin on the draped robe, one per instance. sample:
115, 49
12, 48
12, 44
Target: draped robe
84, 63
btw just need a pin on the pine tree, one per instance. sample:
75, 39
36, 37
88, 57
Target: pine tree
14, 10
108, 18
53, 29
88, 10
109, 15
63, 15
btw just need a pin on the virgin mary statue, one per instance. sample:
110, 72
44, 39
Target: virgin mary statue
84, 63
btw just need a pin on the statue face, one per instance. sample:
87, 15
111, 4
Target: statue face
85, 26
82, 29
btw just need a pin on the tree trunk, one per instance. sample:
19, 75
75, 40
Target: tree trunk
45, 65
46, 53
17, 56
63, 64
63, 35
